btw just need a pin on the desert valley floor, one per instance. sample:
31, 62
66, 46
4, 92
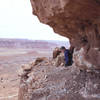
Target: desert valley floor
10, 64
14, 53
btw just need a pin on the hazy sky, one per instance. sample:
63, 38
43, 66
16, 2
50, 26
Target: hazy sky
17, 21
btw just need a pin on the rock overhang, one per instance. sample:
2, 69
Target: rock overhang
79, 20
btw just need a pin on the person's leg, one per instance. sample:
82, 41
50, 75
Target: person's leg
58, 61
62, 60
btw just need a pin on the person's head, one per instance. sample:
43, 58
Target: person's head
62, 49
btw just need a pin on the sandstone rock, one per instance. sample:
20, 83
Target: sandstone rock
24, 70
26, 67
79, 20
59, 83
39, 60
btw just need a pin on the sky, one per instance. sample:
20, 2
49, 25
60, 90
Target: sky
17, 21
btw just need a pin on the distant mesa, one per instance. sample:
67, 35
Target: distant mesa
25, 43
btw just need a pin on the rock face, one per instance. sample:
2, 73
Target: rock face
79, 20
47, 82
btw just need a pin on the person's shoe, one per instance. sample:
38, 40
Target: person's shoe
66, 65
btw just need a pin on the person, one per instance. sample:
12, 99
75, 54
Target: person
66, 55
71, 50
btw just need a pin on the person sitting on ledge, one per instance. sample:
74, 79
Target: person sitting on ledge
63, 56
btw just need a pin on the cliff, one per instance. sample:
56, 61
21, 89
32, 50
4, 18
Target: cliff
76, 19
79, 21
41, 80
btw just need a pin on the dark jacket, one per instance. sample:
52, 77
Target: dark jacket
66, 54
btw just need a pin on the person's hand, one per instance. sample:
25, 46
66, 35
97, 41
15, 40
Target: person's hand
62, 64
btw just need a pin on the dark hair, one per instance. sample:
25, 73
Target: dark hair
62, 48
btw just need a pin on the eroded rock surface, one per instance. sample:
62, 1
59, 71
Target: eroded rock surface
47, 82
79, 20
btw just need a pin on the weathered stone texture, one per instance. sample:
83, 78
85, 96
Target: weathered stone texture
47, 82
79, 20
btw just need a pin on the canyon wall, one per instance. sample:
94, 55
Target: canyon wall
79, 20
28, 44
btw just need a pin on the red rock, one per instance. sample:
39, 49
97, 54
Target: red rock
79, 20
76, 19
